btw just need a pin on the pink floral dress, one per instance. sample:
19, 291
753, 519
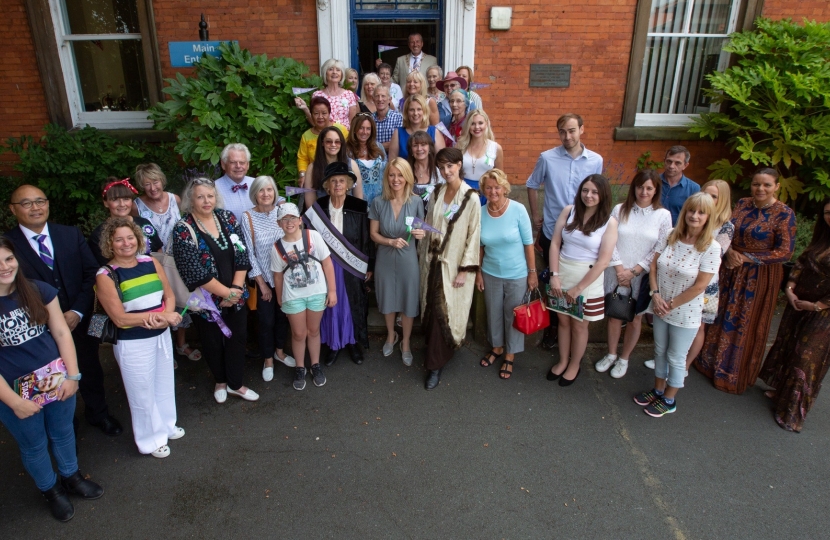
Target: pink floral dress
339, 105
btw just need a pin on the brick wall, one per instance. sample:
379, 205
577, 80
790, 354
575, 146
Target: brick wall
22, 102
815, 10
524, 118
273, 27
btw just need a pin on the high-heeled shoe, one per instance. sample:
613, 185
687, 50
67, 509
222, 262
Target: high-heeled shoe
567, 382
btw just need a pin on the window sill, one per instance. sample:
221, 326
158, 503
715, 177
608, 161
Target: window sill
148, 135
654, 133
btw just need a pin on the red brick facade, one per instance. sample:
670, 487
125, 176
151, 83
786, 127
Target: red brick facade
523, 118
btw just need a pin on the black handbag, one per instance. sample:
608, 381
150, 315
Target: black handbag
620, 306
100, 325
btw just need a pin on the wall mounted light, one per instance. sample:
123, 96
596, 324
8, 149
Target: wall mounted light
500, 18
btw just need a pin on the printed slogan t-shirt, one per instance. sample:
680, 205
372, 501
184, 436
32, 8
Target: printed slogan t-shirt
303, 275
24, 347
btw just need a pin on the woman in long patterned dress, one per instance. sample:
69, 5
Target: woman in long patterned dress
749, 281
798, 361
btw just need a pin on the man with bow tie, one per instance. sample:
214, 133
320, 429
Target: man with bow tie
234, 185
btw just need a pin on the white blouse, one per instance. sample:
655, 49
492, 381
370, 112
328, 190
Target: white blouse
260, 241
637, 239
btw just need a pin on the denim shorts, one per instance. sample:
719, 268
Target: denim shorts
311, 303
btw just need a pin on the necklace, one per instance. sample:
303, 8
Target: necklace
221, 241
497, 212
762, 207
474, 158
157, 207
364, 152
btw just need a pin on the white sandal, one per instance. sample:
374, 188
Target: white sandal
194, 355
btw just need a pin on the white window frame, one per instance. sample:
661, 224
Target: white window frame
669, 119
80, 117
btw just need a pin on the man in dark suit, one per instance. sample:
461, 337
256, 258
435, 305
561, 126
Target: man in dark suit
60, 256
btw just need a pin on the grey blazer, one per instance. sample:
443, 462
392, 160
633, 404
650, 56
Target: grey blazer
402, 67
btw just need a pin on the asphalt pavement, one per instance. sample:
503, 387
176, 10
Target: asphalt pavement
373, 455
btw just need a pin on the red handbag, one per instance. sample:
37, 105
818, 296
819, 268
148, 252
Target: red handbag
531, 315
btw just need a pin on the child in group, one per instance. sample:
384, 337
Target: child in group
302, 289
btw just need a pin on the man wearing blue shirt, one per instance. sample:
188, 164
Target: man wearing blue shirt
560, 170
676, 186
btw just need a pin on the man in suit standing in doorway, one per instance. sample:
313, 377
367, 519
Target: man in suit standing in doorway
59, 255
416, 60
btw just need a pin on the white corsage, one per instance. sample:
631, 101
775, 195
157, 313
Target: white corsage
237, 243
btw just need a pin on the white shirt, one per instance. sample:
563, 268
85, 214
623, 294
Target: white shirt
31, 236
637, 239
677, 270
235, 202
306, 279
412, 60
336, 215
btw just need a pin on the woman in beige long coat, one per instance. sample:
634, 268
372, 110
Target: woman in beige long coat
448, 262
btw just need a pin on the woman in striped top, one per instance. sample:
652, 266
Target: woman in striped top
143, 309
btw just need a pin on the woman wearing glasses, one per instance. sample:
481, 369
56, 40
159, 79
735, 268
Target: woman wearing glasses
331, 147
210, 253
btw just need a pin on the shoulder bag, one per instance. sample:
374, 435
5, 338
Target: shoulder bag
531, 315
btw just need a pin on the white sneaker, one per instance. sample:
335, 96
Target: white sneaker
289, 360
161, 452
178, 435
649, 364
267, 374
606, 362
619, 369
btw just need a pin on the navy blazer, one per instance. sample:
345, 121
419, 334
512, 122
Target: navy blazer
75, 266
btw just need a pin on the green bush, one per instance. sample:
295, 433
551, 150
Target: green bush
70, 168
803, 233
239, 98
776, 106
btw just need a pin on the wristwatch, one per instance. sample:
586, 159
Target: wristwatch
652, 293
73, 377
554, 274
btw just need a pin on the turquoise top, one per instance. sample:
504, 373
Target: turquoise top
504, 239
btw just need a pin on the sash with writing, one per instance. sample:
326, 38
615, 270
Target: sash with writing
350, 258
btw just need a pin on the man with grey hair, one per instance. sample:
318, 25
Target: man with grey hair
234, 185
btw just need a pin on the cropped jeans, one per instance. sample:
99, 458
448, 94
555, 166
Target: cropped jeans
671, 345
53, 424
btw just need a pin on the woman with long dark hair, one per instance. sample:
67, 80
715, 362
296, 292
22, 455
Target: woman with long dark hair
370, 157
587, 233
34, 335
331, 147
797, 363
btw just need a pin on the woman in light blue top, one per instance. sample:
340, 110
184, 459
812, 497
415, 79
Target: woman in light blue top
507, 268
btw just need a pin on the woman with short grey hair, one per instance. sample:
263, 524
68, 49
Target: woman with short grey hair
261, 231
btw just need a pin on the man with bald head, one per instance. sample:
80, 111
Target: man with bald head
59, 255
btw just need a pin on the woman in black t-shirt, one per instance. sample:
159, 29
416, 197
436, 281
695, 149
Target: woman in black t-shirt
33, 333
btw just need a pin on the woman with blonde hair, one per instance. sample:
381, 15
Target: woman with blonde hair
481, 151
415, 118
343, 102
352, 80
397, 276
466, 73
416, 84
683, 265
507, 268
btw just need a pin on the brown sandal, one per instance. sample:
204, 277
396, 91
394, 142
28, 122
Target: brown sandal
506, 369
489, 359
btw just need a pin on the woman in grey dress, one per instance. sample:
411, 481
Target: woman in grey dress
396, 264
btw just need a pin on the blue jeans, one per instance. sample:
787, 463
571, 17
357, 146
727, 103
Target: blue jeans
53, 424
671, 345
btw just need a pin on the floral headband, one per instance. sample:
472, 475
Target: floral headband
125, 182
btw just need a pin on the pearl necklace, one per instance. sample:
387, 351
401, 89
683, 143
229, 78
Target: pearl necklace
762, 207
221, 241
491, 211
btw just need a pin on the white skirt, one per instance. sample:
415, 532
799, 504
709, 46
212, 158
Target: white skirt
570, 273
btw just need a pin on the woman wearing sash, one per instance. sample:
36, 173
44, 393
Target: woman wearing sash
344, 324
449, 262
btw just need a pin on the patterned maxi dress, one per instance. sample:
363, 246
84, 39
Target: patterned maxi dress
798, 361
735, 342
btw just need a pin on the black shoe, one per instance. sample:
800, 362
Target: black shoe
567, 382
356, 353
433, 378
331, 357
59, 503
109, 425
553, 376
550, 338
78, 485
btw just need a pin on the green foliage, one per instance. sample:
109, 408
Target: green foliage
645, 162
803, 233
70, 168
238, 98
776, 106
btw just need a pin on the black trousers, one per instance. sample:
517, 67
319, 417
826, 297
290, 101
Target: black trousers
273, 324
92, 380
225, 356
544, 243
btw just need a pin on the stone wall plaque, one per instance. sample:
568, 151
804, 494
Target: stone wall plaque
550, 75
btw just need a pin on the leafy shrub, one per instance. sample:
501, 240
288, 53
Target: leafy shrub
803, 233
777, 113
239, 98
71, 167
645, 162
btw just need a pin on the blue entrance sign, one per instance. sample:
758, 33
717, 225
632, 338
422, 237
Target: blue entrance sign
187, 53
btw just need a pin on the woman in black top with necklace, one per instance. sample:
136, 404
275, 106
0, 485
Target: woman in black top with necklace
210, 253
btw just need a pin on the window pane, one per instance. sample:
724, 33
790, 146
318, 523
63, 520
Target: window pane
111, 74
667, 16
396, 4
697, 56
102, 16
710, 17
